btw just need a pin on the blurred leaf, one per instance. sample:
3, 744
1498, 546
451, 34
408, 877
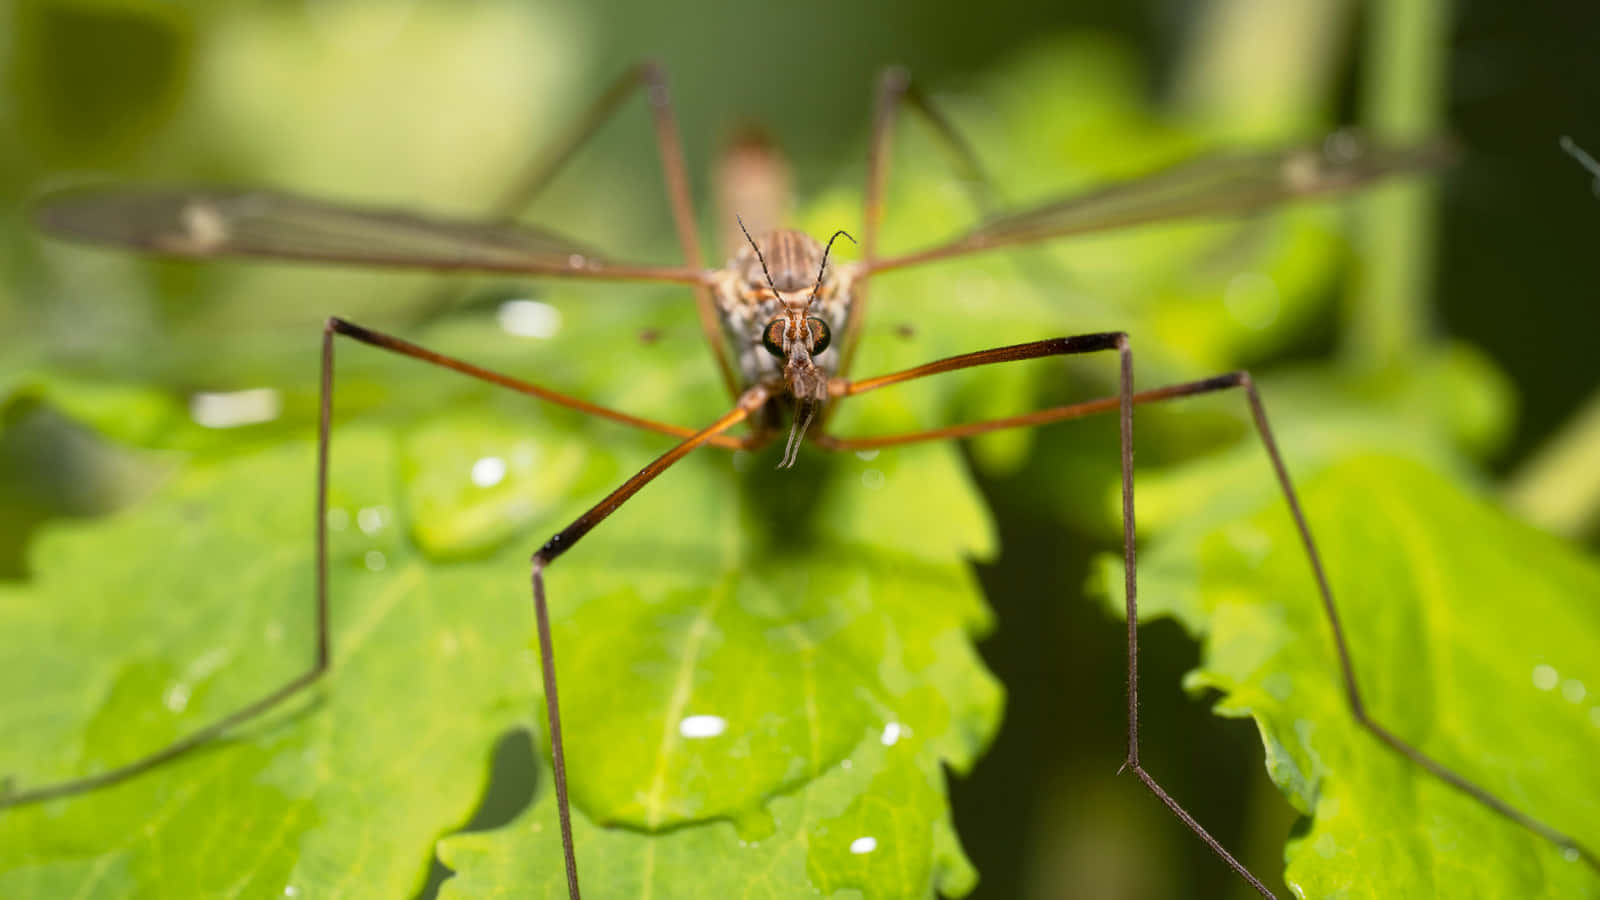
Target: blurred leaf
52, 466
358, 100
1472, 636
1062, 119
94, 80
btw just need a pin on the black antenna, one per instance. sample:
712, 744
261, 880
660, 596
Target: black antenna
824, 267
763, 259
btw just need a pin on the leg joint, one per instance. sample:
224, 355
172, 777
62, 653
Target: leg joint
651, 71
894, 80
1090, 343
653, 76
336, 325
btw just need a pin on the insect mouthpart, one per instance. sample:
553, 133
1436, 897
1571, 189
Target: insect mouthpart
796, 342
803, 414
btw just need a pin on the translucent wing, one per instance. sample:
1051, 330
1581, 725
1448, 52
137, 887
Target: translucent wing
212, 223
1218, 185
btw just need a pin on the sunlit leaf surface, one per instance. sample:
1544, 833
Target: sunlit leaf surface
708, 669
872, 823
1473, 638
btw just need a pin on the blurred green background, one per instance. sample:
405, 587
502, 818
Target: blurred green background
433, 104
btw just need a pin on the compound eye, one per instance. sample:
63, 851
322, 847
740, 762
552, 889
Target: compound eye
820, 335
772, 338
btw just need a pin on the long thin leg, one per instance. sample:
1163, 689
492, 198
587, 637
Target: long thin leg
538, 173
1124, 402
319, 665
406, 348
972, 429
1088, 343
749, 402
542, 169
894, 88
891, 86
677, 174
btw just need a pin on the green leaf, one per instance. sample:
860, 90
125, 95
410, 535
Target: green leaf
1472, 637
154, 622
877, 822
805, 640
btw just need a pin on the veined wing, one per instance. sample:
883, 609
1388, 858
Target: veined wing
1215, 185
216, 223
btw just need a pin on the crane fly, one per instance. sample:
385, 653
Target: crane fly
782, 320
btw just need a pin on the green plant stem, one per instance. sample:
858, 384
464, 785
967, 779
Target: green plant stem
1386, 316
1260, 70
